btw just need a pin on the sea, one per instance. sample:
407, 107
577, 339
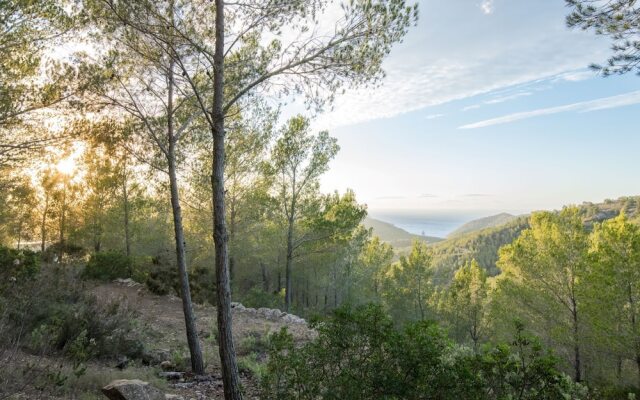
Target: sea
438, 223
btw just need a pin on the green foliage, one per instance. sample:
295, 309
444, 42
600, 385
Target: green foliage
617, 19
256, 298
545, 277
109, 265
161, 277
57, 316
483, 223
17, 264
464, 304
409, 286
358, 354
523, 370
481, 246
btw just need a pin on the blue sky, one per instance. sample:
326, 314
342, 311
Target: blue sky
488, 105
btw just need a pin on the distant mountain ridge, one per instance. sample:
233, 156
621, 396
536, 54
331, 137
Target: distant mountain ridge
482, 223
483, 244
395, 236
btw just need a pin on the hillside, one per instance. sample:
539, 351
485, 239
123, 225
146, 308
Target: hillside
393, 235
483, 245
483, 223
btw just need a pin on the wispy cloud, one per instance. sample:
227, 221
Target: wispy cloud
502, 99
424, 71
577, 76
471, 107
428, 196
487, 6
604, 103
475, 195
434, 116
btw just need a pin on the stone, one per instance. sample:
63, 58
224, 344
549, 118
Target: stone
166, 365
171, 375
132, 389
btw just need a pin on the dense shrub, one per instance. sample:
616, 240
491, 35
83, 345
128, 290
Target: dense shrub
17, 264
256, 298
359, 354
74, 251
110, 265
162, 279
55, 314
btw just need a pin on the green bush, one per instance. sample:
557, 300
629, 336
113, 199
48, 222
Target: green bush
359, 354
256, 298
17, 264
109, 265
72, 250
162, 279
56, 315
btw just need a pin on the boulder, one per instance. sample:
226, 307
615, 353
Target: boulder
166, 365
132, 389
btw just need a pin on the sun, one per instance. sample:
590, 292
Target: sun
66, 165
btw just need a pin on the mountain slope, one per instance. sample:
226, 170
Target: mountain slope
483, 245
483, 223
393, 235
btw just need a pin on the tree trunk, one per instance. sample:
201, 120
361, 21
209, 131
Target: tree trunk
576, 346
43, 224
265, 277
19, 233
197, 362
63, 219
289, 265
125, 198
230, 378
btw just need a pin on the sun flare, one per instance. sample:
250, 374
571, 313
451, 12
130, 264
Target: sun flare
66, 165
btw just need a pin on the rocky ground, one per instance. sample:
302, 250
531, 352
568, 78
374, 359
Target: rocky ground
162, 321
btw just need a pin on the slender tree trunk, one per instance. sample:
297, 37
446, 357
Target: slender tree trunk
232, 231
230, 378
197, 361
63, 219
289, 265
125, 198
19, 233
576, 346
43, 223
96, 234
279, 280
265, 278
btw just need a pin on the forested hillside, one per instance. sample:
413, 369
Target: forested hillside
483, 245
393, 235
483, 223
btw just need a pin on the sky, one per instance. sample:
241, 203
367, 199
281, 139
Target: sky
489, 105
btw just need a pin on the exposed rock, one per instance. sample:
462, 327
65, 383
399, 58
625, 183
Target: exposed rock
166, 365
269, 313
171, 375
155, 356
127, 282
123, 362
132, 389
